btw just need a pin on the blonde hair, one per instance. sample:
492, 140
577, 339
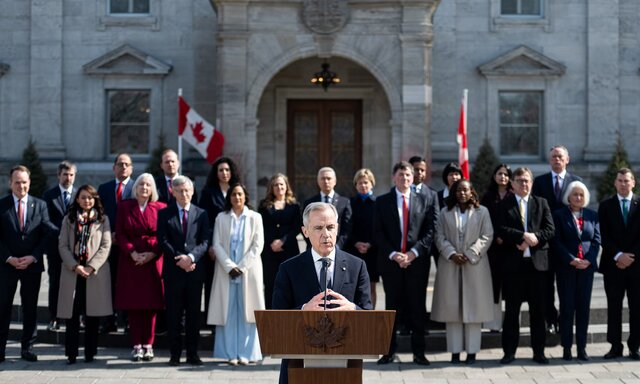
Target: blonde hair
366, 173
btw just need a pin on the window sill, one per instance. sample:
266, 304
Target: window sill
501, 22
127, 21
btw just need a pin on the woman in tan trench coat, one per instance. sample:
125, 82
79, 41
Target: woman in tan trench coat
85, 280
463, 293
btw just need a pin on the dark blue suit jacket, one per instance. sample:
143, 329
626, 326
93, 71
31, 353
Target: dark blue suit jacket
55, 207
173, 242
30, 241
297, 282
107, 192
566, 241
543, 187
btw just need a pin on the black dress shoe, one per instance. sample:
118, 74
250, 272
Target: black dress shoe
582, 355
540, 359
386, 359
566, 354
174, 361
634, 355
108, 328
28, 356
455, 358
71, 360
194, 360
89, 359
507, 359
613, 354
420, 360
471, 358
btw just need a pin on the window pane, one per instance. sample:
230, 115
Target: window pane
119, 6
531, 7
129, 113
140, 6
509, 7
520, 118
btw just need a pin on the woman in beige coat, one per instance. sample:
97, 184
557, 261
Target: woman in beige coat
463, 293
238, 287
85, 280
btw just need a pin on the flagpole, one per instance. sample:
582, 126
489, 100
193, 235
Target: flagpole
179, 136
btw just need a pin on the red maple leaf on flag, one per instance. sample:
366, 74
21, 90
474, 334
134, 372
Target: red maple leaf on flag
197, 131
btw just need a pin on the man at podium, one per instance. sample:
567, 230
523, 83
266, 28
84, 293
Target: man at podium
300, 282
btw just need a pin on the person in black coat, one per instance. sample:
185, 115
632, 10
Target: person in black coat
620, 230
170, 165
361, 241
326, 182
183, 245
58, 199
281, 220
576, 245
25, 230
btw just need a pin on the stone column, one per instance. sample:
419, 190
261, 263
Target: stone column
416, 41
603, 81
45, 91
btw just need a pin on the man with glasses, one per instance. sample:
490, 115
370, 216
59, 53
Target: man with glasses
525, 225
111, 193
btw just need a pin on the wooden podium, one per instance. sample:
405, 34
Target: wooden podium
325, 346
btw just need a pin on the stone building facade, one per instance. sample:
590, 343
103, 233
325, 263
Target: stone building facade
89, 78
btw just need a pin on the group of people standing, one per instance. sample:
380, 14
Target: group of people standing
147, 247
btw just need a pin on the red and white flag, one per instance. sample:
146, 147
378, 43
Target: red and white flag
463, 149
195, 130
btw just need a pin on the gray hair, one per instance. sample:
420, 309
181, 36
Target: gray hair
66, 165
315, 207
326, 169
573, 185
140, 179
181, 180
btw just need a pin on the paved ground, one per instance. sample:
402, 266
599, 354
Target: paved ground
112, 366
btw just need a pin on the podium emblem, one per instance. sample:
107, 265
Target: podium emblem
325, 335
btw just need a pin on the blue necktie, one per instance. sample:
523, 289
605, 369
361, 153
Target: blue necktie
625, 210
66, 197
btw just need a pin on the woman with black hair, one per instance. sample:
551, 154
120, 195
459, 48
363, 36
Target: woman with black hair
85, 279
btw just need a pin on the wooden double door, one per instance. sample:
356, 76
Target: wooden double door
323, 133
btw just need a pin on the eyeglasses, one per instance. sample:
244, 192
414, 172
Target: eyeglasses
523, 181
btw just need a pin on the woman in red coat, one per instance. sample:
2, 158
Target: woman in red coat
139, 288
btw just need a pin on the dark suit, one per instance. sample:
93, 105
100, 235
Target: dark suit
575, 285
343, 206
543, 187
32, 241
163, 191
408, 285
297, 282
57, 210
183, 290
524, 277
618, 237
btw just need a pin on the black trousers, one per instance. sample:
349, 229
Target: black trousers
574, 290
72, 335
54, 263
406, 290
616, 283
183, 296
520, 285
29, 289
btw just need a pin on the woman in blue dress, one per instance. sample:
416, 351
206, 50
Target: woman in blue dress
237, 288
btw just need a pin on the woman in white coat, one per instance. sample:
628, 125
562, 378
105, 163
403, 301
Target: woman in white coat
237, 288
463, 293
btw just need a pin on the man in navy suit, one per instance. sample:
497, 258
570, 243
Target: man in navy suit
526, 226
183, 245
552, 186
405, 225
58, 199
111, 193
299, 285
326, 183
620, 230
170, 165
25, 230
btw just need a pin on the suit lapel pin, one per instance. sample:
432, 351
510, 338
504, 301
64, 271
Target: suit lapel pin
344, 268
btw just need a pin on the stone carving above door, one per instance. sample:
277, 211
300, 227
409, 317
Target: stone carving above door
325, 16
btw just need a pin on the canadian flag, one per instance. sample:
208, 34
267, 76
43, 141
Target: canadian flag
463, 149
195, 130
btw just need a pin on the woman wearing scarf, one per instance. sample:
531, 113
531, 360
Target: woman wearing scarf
85, 279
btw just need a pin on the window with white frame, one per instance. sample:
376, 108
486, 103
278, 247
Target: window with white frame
129, 114
129, 7
520, 122
521, 8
